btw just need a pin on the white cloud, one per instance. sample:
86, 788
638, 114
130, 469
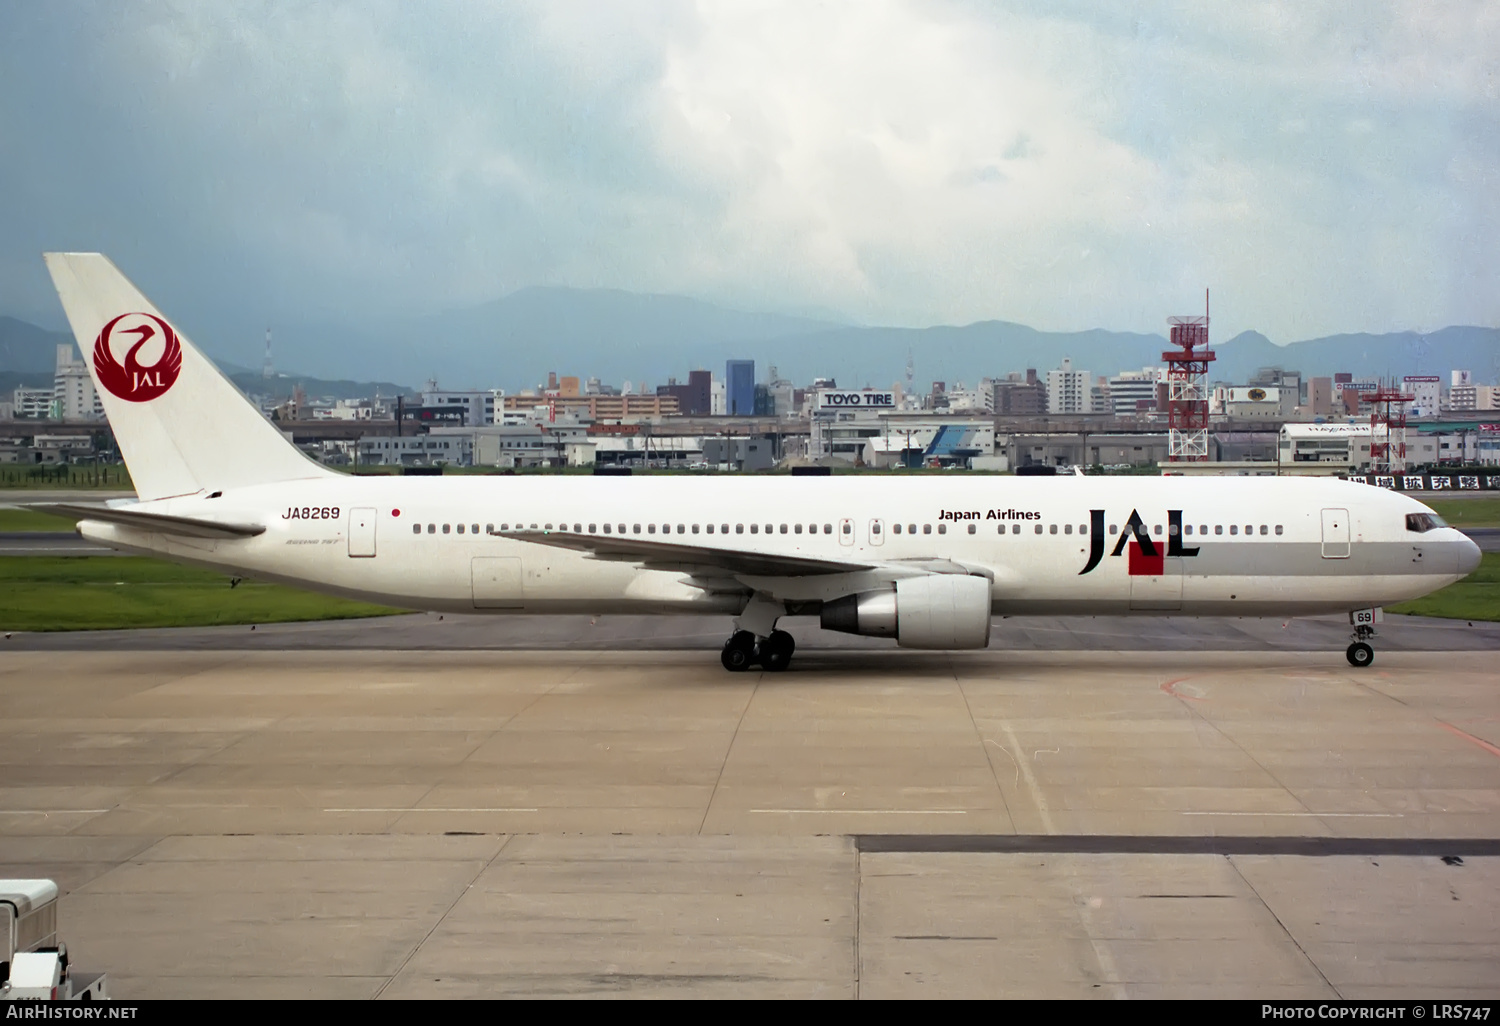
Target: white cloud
1322, 168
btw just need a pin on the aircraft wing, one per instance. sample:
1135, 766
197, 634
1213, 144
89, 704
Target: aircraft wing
704, 560
190, 527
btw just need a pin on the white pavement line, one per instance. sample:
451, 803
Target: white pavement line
1037, 798
429, 810
1307, 815
868, 812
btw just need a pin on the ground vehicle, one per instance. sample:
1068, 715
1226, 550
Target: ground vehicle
33, 964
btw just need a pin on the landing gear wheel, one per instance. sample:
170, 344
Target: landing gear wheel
1360, 654
776, 651
739, 652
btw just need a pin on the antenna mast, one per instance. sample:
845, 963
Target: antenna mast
1187, 399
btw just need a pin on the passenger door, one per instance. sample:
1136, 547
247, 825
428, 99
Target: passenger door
1335, 534
877, 532
846, 531
361, 532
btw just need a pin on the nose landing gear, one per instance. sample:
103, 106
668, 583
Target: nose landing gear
1360, 653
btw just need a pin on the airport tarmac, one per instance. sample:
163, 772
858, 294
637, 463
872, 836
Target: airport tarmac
874, 822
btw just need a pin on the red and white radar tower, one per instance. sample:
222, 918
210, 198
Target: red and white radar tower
1387, 428
1187, 395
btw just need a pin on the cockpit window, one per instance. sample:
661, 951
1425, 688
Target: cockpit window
1422, 522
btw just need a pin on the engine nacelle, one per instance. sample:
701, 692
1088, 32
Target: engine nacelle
935, 611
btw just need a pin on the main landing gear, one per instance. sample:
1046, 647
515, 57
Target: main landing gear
742, 651
1360, 653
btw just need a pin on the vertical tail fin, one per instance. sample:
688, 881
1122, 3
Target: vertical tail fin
181, 425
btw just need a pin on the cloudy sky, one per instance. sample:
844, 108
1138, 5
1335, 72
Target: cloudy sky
1323, 167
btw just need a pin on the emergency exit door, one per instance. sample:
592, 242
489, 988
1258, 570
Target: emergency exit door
1335, 534
361, 532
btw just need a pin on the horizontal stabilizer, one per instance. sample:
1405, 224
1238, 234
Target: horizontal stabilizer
188, 527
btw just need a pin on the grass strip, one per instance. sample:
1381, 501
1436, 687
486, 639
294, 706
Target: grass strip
1476, 597
72, 593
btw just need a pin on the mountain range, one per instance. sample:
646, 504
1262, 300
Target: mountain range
514, 342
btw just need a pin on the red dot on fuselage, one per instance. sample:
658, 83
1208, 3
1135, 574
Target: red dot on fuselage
395, 512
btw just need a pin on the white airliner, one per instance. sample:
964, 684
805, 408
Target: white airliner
926, 561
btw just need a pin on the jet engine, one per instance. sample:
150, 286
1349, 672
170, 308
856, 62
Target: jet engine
935, 611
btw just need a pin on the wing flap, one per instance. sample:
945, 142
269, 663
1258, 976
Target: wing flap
703, 560
189, 527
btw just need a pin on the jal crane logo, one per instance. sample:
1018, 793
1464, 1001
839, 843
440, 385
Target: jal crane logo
134, 379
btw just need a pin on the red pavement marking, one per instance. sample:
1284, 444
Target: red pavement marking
1170, 687
1450, 728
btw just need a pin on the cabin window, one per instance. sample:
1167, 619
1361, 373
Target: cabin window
682, 528
874, 527
827, 528
1038, 528
432, 528
896, 528
547, 528
1067, 529
926, 528
755, 529
1014, 528
1234, 528
1202, 528
812, 528
710, 528
474, 528
1051, 528
460, 528
723, 529
769, 528
739, 528
1187, 529
695, 528
593, 529
783, 529
848, 528
606, 528
622, 528
489, 528
797, 529
911, 528
1249, 528
445, 528
1278, 528
1114, 529
650, 529
973, 528
1083, 528
1002, 529
1156, 530
1264, 529
942, 528
1218, 529
635, 529
1172, 530
416, 528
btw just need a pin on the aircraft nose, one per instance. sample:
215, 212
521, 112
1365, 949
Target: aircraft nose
1468, 556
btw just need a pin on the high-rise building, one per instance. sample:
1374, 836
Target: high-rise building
73, 394
1135, 392
739, 388
1067, 389
1018, 397
1320, 396
694, 398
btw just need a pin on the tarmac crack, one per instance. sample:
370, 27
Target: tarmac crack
443, 918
